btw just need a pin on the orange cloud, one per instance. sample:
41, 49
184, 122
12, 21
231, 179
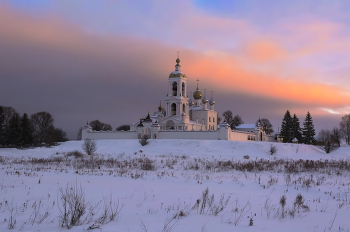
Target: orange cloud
228, 74
265, 51
222, 71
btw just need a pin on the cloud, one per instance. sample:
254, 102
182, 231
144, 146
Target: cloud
52, 65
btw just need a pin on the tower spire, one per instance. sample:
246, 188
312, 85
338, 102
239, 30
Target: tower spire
197, 84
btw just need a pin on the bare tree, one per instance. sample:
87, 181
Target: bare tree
324, 135
267, 126
43, 126
232, 121
8, 113
336, 136
89, 146
237, 120
345, 127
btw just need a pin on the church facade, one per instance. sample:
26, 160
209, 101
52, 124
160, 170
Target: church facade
181, 118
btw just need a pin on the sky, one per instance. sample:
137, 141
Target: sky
110, 60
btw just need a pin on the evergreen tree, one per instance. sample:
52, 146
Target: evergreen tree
286, 128
2, 127
13, 131
308, 130
27, 137
297, 132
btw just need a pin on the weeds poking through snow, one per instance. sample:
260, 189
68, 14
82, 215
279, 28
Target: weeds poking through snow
73, 205
283, 200
111, 210
206, 204
12, 218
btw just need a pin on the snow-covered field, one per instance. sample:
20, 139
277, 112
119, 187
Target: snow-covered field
159, 187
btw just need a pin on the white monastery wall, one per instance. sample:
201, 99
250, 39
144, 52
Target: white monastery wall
205, 135
109, 135
241, 136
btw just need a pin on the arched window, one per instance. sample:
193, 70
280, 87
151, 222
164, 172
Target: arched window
173, 109
183, 89
248, 137
174, 88
183, 108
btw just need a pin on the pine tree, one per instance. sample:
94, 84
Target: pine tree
27, 136
2, 127
286, 128
13, 131
308, 130
297, 132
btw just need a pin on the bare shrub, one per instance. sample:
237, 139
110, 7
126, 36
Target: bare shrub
73, 205
273, 149
144, 140
75, 153
246, 157
89, 146
299, 203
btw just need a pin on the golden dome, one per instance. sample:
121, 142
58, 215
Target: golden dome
173, 74
197, 94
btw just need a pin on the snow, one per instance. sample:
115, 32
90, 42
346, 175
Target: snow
152, 197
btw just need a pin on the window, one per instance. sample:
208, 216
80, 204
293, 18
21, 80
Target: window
173, 109
174, 88
248, 137
183, 89
213, 119
209, 119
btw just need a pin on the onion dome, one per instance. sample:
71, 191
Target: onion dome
211, 102
177, 72
148, 118
197, 94
204, 100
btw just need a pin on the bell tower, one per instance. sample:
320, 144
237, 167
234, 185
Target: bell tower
177, 99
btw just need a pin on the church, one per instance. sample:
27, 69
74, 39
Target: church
182, 117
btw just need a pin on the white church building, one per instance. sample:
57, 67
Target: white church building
184, 118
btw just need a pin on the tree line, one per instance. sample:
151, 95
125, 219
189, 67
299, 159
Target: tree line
24, 131
333, 137
291, 129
